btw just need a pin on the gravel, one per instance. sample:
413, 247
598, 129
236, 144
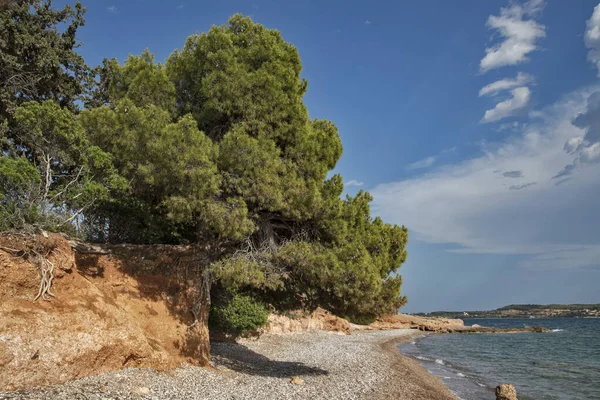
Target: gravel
363, 365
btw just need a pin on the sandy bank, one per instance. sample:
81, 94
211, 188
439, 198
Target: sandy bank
364, 365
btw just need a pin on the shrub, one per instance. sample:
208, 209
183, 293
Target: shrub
238, 314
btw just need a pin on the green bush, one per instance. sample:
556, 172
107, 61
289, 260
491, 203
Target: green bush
238, 314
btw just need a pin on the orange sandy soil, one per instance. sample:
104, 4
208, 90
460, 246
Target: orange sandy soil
102, 317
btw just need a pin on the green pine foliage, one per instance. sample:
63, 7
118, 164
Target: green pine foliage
214, 147
39, 61
52, 173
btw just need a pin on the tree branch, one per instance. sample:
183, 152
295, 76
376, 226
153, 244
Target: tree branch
69, 184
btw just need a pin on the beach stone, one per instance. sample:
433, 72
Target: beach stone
142, 391
296, 380
506, 392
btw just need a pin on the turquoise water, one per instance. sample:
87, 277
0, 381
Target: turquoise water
563, 364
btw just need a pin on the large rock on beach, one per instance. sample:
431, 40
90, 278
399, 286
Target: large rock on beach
506, 392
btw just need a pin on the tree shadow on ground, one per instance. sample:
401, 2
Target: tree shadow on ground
240, 358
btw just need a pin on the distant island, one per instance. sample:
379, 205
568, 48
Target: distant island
525, 311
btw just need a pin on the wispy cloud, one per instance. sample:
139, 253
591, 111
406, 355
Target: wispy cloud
521, 186
367, 22
592, 37
464, 205
179, 7
510, 107
506, 84
354, 182
513, 174
518, 33
429, 161
112, 9
424, 163
586, 148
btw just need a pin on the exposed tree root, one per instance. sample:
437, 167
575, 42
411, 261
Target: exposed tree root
195, 311
203, 296
43, 263
47, 270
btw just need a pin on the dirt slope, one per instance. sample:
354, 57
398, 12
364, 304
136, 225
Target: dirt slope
104, 317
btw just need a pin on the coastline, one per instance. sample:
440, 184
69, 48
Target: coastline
417, 382
363, 365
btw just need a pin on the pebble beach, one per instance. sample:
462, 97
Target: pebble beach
319, 365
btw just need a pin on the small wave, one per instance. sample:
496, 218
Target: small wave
557, 330
423, 358
460, 374
413, 342
446, 377
440, 361
454, 393
480, 384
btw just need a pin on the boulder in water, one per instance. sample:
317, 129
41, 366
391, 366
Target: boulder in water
506, 392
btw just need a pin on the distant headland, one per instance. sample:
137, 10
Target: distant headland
525, 311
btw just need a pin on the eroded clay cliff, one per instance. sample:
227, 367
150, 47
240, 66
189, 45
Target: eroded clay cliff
129, 308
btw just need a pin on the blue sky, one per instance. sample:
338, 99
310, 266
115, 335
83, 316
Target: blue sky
474, 123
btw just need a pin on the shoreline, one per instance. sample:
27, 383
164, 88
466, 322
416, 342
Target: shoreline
363, 365
428, 385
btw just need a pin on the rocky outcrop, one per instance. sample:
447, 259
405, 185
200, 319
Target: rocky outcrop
441, 325
485, 329
405, 321
322, 320
113, 311
506, 392
319, 320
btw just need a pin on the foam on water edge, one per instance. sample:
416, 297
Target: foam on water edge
422, 358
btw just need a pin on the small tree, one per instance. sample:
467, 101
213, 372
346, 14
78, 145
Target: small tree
52, 173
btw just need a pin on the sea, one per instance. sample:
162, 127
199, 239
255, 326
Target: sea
562, 364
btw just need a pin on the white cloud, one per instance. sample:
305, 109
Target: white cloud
505, 84
367, 22
472, 206
509, 126
508, 108
354, 182
429, 161
591, 153
592, 37
573, 144
424, 163
585, 149
450, 150
112, 9
519, 35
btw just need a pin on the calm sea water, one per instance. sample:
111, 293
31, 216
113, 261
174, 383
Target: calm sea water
563, 364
